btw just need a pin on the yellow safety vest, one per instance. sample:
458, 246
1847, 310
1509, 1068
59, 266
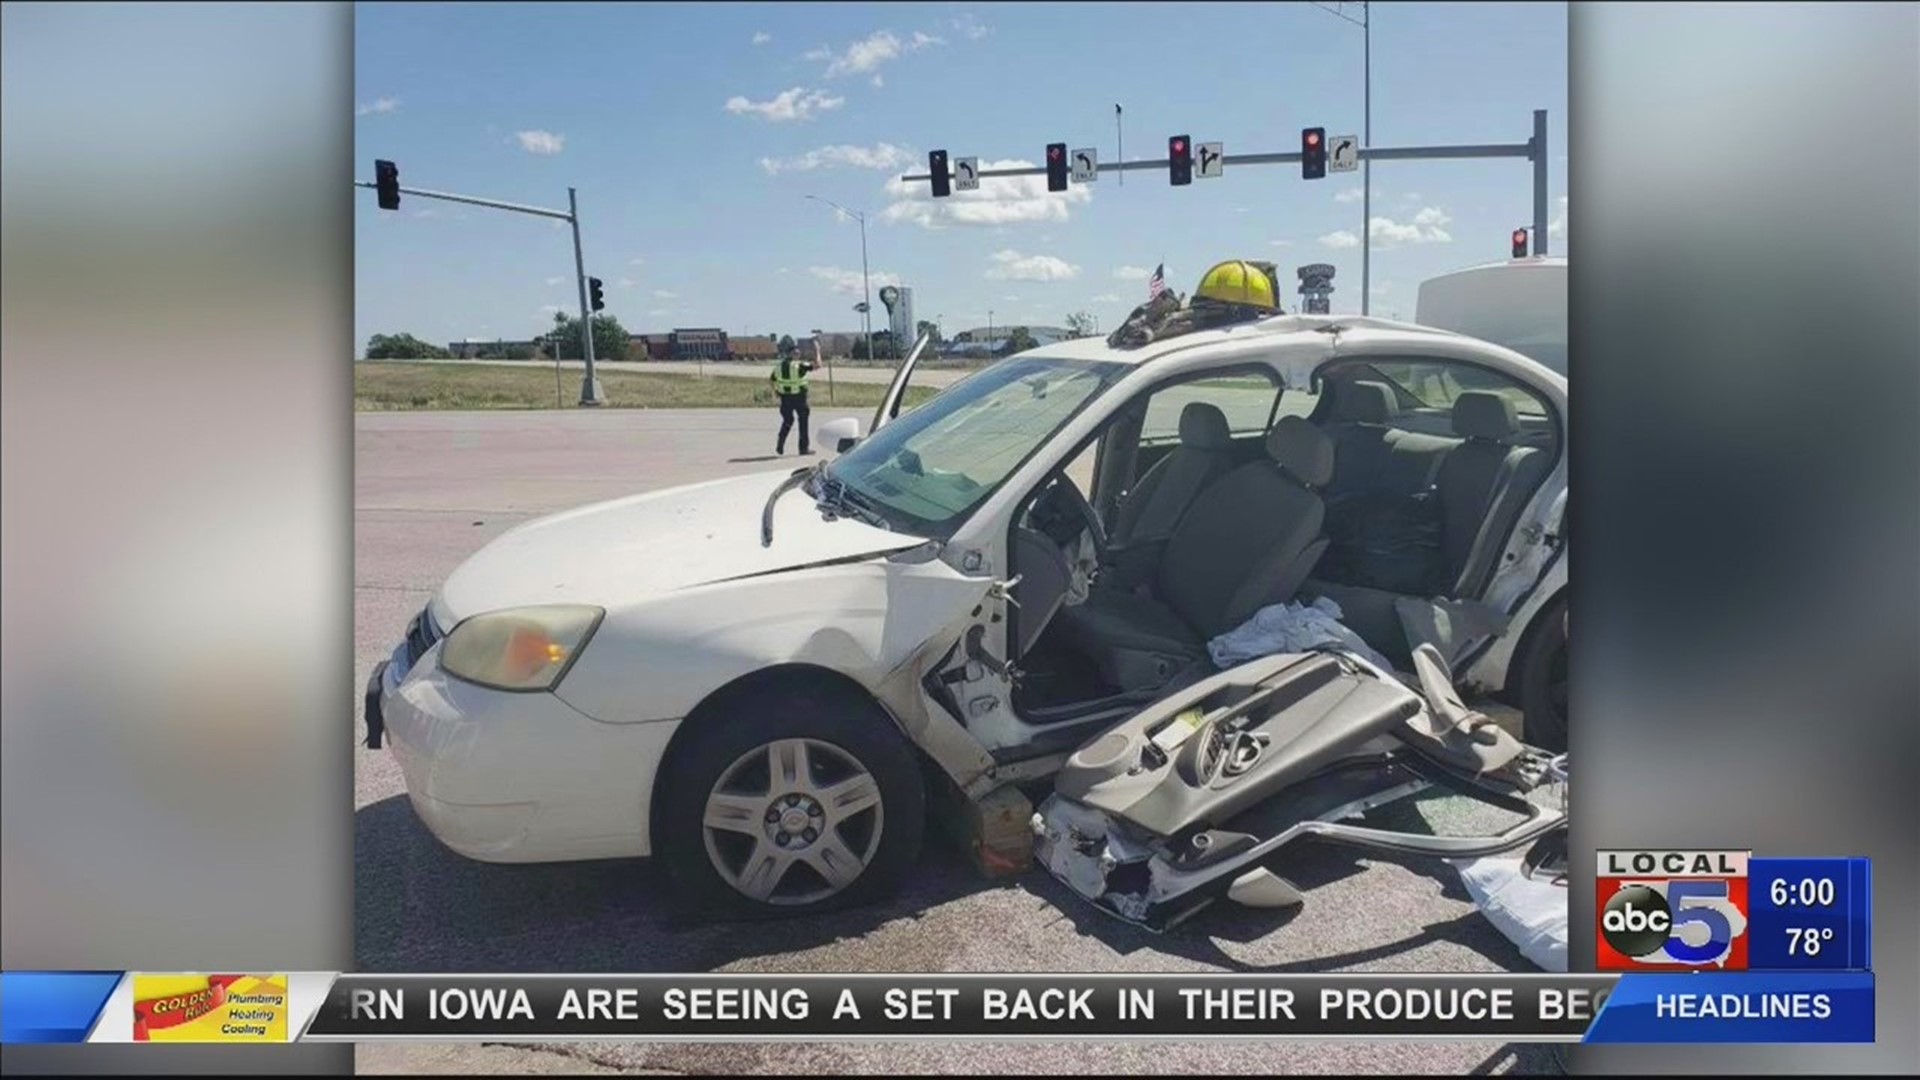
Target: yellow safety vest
787, 378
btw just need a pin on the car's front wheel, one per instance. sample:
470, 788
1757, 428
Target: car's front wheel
791, 802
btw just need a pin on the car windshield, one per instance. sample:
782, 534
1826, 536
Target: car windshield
926, 471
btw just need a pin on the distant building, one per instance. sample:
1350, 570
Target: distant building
699, 344
753, 347
650, 346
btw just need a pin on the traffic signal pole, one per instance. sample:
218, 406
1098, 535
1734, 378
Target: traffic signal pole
590, 388
590, 384
1534, 150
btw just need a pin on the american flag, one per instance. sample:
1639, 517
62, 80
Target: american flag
1157, 284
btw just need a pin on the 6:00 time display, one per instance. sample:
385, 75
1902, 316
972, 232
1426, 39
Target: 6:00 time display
1808, 892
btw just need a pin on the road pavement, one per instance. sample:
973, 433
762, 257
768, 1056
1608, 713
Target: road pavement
431, 488
923, 375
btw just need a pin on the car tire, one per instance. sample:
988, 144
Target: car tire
738, 768
1543, 680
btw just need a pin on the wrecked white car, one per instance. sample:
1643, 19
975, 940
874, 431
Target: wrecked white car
761, 680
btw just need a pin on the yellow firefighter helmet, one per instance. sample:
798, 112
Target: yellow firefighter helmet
1239, 282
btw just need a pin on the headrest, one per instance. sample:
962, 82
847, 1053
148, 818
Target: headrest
1302, 450
1204, 427
1363, 402
1480, 414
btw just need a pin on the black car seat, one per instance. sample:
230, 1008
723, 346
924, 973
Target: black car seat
1483, 485
1156, 503
1246, 541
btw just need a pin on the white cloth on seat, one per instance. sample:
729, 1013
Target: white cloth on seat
1290, 627
1531, 914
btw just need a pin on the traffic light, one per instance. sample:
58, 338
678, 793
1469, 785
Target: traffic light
1057, 166
942, 180
386, 183
1520, 243
1313, 153
1180, 160
593, 293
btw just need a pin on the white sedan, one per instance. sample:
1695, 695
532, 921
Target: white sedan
755, 679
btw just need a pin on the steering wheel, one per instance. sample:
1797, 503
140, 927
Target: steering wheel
1061, 489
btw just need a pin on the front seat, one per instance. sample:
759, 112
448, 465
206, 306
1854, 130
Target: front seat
1156, 503
1247, 541
1483, 485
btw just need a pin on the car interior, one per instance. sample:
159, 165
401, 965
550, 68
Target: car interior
1209, 498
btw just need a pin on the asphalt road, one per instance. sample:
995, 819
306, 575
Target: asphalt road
923, 375
430, 488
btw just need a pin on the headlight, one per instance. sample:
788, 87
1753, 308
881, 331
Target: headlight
520, 649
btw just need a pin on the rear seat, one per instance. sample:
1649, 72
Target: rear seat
1483, 484
1480, 482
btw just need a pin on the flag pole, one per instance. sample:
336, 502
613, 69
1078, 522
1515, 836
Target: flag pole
1120, 143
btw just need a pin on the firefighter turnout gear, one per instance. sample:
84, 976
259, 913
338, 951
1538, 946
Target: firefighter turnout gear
789, 380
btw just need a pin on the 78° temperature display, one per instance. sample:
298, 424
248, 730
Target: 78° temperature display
1811, 914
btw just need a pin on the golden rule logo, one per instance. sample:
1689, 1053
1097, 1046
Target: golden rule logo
210, 1008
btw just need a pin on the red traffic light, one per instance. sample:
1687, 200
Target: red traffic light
1313, 138
1179, 147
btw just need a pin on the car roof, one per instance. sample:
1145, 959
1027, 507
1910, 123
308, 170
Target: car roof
1276, 327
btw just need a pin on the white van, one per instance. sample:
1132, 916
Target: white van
1520, 304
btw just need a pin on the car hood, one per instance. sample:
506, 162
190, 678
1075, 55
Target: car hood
623, 551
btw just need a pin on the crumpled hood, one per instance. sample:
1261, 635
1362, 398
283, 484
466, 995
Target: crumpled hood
623, 551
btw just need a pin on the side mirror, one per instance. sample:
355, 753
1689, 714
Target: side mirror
840, 434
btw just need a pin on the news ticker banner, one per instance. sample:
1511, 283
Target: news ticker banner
1632, 1007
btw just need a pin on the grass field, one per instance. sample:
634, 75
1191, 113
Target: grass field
401, 386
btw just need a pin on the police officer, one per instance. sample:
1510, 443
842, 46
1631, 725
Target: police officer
789, 380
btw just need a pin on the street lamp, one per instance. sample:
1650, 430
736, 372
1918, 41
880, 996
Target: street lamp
866, 295
1365, 23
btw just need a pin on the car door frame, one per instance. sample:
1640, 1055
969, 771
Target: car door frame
889, 408
981, 545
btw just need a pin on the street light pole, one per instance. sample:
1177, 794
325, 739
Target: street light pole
1366, 167
866, 291
1365, 23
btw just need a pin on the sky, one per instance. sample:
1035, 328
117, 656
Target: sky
694, 134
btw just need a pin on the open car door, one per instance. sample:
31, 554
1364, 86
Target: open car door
1194, 797
897, 390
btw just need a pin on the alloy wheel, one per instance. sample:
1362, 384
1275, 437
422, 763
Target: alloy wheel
793, 821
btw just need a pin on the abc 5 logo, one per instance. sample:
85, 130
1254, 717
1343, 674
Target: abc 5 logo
1675, 924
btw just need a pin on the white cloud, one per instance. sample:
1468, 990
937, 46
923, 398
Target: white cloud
848, 282
821, 53
1427, 227
762, 37
427, 213
1340, 238
556, 281
1348, 195
1010, 265
1132, 273
380, 105
549, 309
663, 294
784, 270
1000, 200
626, 283
921, 40
871, 52
541, 142
1280, 243
637, 260
878, 156
879, 81
1105, 298
659, 311
798, 103
1381, 288
969, 27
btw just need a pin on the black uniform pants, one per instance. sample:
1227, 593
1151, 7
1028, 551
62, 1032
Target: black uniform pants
793, 407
